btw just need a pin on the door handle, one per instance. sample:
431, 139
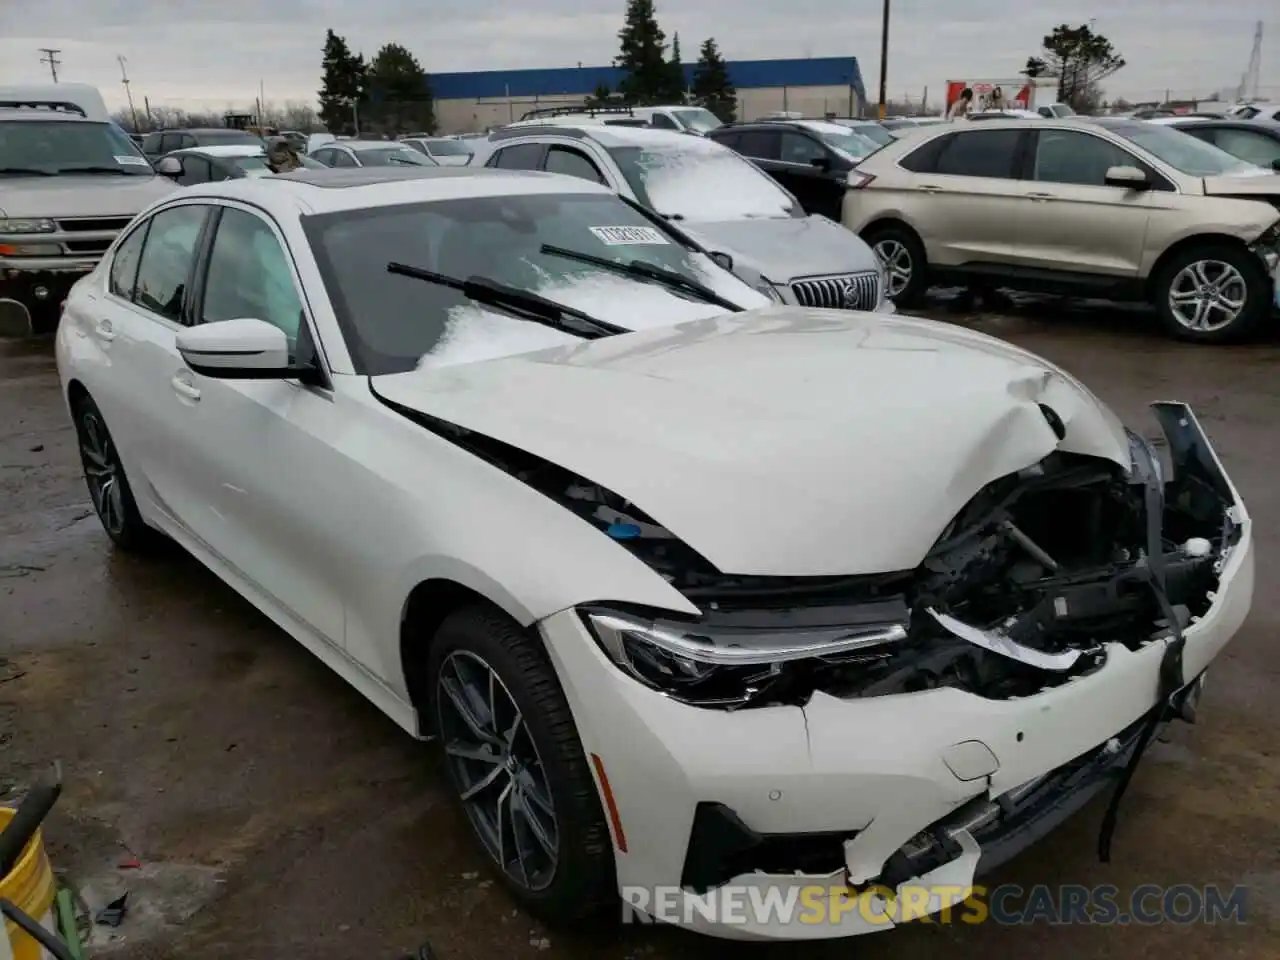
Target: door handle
184, 387
103, 330
1041, 197
930, 188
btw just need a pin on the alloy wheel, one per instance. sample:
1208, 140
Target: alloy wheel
1207, 295
102, 472
497, 770
896, 260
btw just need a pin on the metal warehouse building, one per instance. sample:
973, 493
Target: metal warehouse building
467, 102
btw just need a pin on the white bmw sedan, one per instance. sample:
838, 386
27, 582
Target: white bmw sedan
710, 601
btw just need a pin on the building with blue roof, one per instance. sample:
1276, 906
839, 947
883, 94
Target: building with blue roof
813, 86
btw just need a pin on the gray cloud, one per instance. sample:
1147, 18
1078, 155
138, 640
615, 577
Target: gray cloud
200, 53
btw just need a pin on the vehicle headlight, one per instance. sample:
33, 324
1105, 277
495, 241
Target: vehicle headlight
769, 290
26, 225
728, 666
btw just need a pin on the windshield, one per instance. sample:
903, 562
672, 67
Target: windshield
847, 141
447, 148
65, 146
698, 119
873, 132
394, 323
701, 182
1179, 150
392, 156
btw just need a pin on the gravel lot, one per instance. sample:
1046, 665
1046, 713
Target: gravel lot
276, 814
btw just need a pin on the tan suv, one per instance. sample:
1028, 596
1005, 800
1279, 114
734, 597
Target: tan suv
1112, 208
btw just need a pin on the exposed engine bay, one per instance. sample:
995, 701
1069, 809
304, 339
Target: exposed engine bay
1024, 589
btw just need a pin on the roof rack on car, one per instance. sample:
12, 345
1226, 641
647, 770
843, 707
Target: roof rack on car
589, 110
547, 130
57, 106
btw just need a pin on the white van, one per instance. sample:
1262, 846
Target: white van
78, 98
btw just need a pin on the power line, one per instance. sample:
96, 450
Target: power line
51, 58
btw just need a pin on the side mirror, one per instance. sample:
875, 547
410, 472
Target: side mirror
243, 349
722, 259
1275, 164
1130, 178
169, 167
821, 163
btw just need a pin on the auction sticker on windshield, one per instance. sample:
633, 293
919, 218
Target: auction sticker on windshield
132, 161
628, 236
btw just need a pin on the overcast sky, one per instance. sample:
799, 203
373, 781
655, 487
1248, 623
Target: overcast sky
202, 53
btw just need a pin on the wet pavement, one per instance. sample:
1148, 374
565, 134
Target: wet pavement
275, 813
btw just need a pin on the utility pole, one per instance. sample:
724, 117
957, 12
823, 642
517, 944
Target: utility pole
124, 78
51, 58
884, 61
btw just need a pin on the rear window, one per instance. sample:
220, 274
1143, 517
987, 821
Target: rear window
447, 148
212, 138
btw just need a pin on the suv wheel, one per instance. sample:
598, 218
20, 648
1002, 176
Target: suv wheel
517, 767
1213, 294
901, 254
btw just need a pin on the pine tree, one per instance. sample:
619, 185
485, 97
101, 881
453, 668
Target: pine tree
712, 87
675, 92
342, 84
400, 99
643, 44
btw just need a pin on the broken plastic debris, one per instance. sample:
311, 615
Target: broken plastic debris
112, 915
997, 642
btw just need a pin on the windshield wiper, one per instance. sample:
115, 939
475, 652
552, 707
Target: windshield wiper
519, 303
646, 271
26, 172
116, 171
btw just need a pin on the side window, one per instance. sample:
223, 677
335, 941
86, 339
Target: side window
572, 163
169, 141
186, 140
341, 158
1200, 133
663, 122
152, 143
797, 148
1068, 157
980, 153
166, 260
760, 144
250, 275
194, 170
522, 156
124, 265
729, 140
924, 159
1252, 147
323, 156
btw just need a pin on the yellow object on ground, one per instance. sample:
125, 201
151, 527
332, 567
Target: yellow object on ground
30, 887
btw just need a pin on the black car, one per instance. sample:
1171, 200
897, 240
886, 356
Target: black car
811, 158
161, 142
1248, 140
225, 162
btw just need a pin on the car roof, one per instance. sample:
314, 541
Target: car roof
371, 144
7, 113
310, 191
224, 150
612, 136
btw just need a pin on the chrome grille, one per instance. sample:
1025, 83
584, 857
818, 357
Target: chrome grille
850, 291
94, 224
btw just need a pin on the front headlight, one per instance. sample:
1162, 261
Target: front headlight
729, 665
769, 290
26, 225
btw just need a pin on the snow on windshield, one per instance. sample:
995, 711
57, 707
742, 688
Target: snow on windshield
701, 182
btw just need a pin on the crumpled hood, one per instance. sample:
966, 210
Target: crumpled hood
784, 441
787, 249
68, 195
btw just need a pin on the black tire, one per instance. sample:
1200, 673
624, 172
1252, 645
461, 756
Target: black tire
910, 246
118, 514
1257, 288
583, 881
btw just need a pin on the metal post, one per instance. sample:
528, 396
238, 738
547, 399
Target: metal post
51, 57
884, 60
146, 106
124, 78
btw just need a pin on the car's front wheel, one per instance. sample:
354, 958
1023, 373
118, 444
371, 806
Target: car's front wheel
108, 486
902, 255
1213, 293
516, 763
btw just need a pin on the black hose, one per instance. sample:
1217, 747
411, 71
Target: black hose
26, 821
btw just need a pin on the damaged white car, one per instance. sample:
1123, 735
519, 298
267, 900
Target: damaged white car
765, 599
